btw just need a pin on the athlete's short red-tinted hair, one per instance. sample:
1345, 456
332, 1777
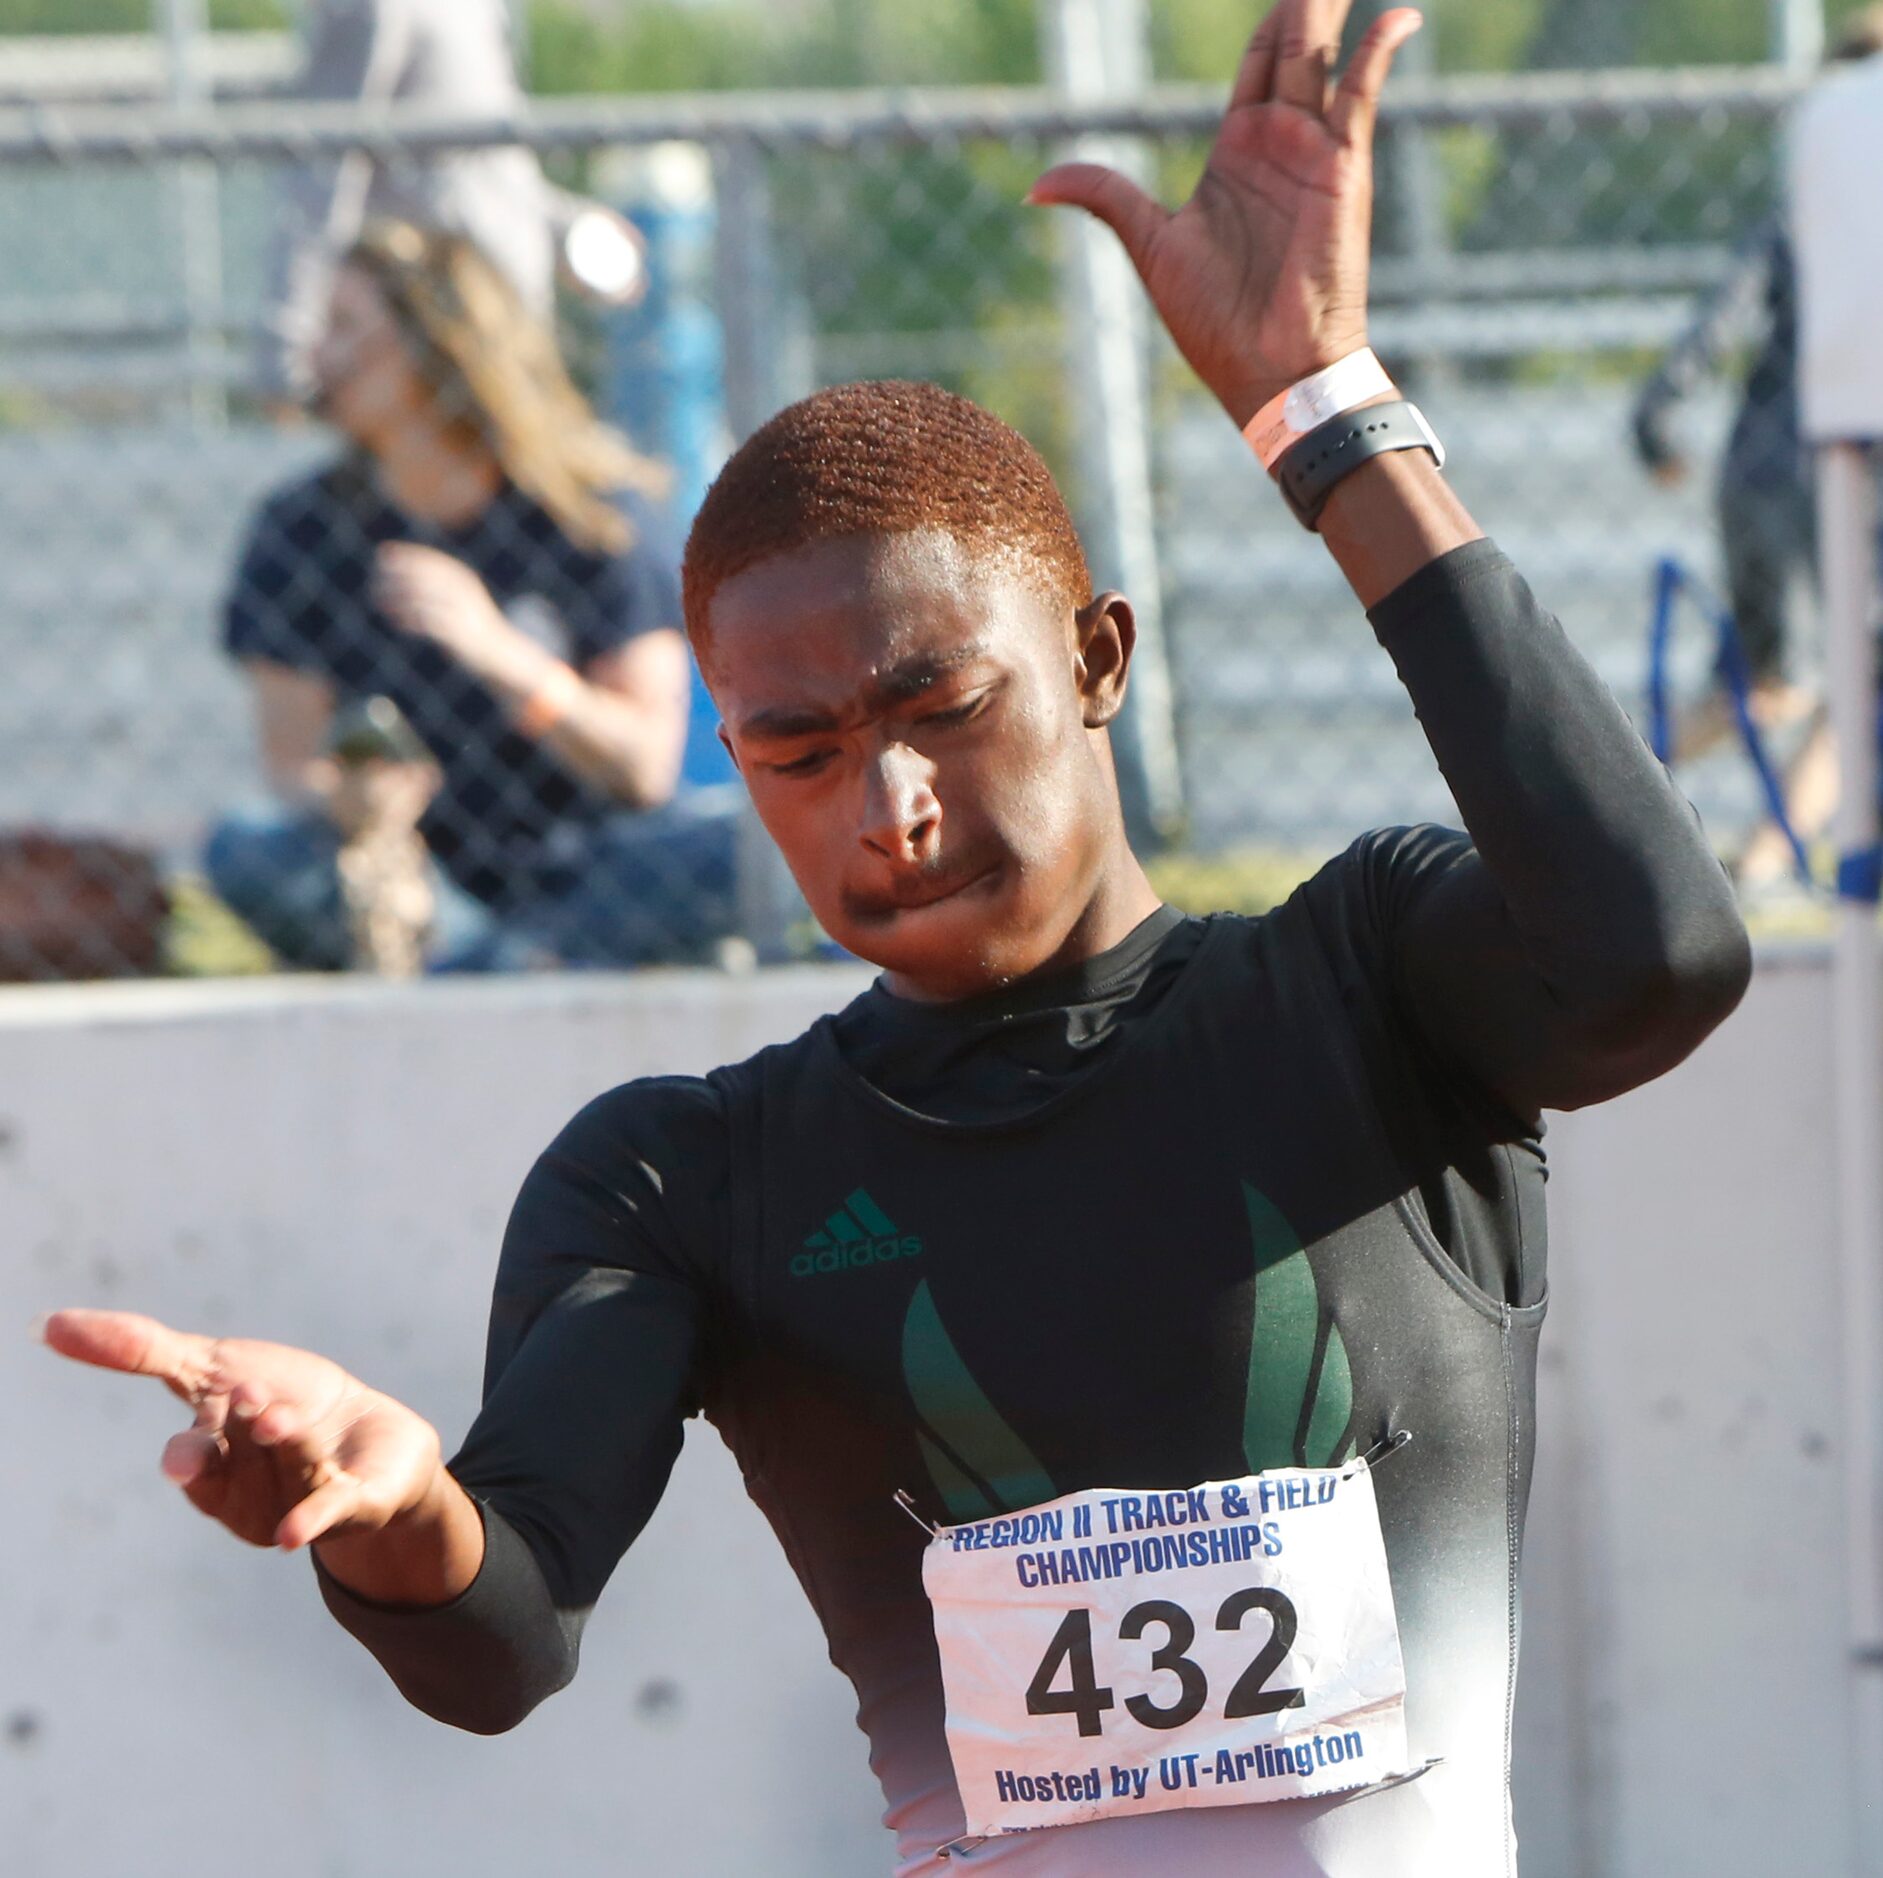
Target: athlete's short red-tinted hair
883, 457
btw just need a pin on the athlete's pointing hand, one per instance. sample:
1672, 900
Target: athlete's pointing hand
286, 1447
1261, 276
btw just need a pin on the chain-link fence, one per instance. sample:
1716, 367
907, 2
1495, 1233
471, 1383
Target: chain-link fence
1541, 239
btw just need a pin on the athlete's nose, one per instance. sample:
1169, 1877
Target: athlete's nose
901, 817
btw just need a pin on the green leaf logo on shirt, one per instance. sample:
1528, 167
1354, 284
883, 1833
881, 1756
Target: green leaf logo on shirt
978, 1464
1298, 1411
1299, 1408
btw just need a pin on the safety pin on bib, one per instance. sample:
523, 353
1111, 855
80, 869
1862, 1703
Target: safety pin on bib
908, 1506
1378, 1452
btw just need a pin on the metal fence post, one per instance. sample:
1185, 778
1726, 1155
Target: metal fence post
749, 297
1411, 159
1096, 50
760, 377
185, 28
1797, 32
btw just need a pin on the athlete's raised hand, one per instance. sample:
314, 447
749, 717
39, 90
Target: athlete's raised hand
285, 1447
1261, 276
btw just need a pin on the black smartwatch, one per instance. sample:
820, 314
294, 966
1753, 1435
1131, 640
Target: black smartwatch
1308, 470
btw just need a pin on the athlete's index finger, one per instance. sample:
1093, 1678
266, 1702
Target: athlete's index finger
136, 1345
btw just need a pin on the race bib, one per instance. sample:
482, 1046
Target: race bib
1112, 1653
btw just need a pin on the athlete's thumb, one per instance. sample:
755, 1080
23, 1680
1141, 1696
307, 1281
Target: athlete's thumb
1115, 200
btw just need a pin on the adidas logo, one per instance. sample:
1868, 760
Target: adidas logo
859, 1233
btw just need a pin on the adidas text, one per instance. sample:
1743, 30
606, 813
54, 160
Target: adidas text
840, 1258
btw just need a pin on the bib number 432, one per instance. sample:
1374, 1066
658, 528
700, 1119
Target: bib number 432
1263, 1659
1070, 1652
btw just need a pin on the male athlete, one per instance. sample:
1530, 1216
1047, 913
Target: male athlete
1120, 1242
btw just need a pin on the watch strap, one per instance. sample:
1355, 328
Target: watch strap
1310, 469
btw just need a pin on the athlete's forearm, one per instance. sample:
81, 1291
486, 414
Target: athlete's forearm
588, 1373
1390, 518
482, 1661
566, 1461
1598, 857
1601, 941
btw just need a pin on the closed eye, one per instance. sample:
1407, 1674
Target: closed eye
806, 765
956, 713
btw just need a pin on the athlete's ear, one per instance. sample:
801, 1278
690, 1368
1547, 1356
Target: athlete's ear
1106, 632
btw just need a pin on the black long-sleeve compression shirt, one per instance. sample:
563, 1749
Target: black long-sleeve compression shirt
1372, 1057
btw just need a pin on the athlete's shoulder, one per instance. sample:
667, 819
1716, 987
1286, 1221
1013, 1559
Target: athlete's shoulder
694, 1112
636, 1179
1348, 915
780, 1065
688, 1112
1365, 891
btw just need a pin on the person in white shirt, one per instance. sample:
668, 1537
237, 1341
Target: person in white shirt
453, 54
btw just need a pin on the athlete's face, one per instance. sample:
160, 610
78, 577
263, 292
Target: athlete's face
923, 734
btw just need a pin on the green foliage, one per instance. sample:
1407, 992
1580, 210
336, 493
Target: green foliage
1201, 39
667, 45
129, 16
685, 45
1481, 35
74, 16
1703, 32
241, 16
862, 42
659, 47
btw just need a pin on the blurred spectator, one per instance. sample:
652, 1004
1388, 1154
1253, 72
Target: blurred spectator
1765, 498
483, 556
455, 55
75, 906
1764, 491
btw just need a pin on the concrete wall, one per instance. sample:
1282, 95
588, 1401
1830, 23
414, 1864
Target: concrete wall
1683, 1701
331, 1164
333, 1167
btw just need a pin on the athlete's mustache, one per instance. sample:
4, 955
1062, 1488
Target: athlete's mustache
916, 888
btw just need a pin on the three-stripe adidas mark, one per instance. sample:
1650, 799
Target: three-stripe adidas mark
859, 1233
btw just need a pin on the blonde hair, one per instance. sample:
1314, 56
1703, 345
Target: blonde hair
496, 368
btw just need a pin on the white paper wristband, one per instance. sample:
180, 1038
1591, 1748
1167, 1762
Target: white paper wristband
1334, 390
